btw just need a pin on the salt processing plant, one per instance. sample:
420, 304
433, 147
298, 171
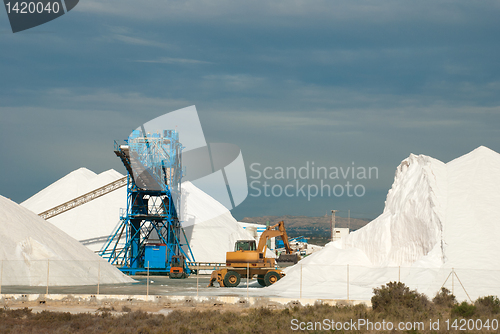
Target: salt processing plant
114, 225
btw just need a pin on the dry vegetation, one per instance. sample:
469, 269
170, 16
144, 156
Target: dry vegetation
393, 302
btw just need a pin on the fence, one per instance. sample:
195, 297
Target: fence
35, 275
302, 281
357, 282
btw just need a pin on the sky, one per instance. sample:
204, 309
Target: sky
340, 84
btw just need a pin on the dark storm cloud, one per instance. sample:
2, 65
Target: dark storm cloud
288, 82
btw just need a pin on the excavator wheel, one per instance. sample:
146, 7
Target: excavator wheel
232, 279
271, 277
261, 281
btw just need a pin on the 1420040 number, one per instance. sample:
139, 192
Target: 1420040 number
32, 7
471, 324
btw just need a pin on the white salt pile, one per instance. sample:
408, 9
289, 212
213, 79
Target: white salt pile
92, 222
211, 229
437, 218
209, 226
31, 248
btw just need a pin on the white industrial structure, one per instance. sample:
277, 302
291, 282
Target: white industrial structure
340, 232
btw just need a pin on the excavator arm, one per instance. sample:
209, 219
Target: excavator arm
277, 230
284, 237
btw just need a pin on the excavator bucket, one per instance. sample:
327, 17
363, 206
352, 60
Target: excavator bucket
288, 258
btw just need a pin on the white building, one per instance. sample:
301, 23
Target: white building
340, 232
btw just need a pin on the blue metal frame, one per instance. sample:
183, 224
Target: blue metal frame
280, 244
154, 166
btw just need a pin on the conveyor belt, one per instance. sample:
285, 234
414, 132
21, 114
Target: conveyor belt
84, 198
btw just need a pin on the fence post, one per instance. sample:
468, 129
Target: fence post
1, 276
248, 273
347, 282
98, 276
300, 295
197, 280
147, 282
48, 271
399, 274
463, 287
452, 281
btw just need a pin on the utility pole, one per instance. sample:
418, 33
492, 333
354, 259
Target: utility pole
349, 220
333, 223
268, 242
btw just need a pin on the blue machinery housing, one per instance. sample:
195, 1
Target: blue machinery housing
149, 234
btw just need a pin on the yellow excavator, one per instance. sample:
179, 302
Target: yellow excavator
249, 260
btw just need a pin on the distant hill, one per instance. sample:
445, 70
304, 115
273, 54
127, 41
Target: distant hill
309, 225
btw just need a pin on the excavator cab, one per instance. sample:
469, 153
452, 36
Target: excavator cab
245, 245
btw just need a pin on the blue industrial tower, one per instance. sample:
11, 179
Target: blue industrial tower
150, 234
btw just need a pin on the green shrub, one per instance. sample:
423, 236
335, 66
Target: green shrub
464, 310
444, 298
488, 305
396, 298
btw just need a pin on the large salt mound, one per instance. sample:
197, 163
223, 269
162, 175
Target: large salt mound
211, 229
209, 226
29, 244
437, 217
91, 222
